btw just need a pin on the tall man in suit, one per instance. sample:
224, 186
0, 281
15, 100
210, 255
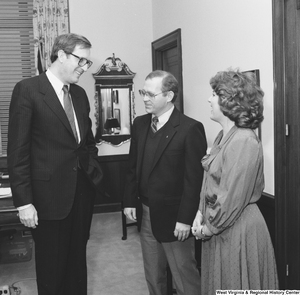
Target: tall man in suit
164, 182
53, 167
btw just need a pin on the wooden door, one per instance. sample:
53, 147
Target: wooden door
286, 36
166, 55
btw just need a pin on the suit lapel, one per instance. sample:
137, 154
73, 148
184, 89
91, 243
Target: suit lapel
168, 133
52, 101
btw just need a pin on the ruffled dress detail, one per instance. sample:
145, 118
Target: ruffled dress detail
240, 254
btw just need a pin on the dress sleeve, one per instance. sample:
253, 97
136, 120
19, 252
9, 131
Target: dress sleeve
241, 181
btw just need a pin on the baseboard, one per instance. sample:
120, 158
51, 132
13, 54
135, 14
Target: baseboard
105, 208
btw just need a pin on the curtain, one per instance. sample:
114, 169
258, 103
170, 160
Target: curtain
16, 54
50, 19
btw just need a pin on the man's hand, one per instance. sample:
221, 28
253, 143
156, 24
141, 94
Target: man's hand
182, 231
130, 213
29, 216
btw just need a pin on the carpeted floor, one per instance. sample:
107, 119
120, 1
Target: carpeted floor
114, 266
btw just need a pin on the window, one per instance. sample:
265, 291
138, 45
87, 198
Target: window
16, 53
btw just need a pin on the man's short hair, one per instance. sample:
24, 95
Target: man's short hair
67, 43
169, 82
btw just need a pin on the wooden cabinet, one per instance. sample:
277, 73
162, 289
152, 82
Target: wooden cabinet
114, 169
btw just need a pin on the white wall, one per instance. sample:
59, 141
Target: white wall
123, 27
216, 34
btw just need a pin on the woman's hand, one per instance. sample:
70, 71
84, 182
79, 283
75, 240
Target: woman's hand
199, 230
197, 224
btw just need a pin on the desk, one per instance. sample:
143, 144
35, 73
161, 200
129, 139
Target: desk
16, 242
8, 217
8, 212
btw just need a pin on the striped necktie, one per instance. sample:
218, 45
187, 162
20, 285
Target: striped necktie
69, 110
154, 124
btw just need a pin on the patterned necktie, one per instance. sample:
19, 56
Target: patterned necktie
154, 124
69, 110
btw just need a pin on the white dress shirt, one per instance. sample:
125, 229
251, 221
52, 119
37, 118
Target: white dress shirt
164, 118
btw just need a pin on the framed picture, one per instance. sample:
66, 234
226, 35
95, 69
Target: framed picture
256, 75
117, 115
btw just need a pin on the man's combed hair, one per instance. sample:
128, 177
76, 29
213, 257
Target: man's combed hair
169, 82
240, 98
67, 43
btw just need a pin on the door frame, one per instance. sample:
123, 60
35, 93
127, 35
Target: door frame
280, 172
285, 135
162, 44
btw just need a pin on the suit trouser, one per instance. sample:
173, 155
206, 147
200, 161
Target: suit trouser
60, 246
179, 255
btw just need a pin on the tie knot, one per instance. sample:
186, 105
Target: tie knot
65, 89
155, 120
154, 124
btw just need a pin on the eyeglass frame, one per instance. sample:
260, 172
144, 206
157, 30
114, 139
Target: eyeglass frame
87, 61
150, 95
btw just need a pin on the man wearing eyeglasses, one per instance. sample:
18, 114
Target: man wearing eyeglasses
53, 167
163, 184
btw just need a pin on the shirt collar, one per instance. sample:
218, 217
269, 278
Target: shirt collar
55, 82
163, 119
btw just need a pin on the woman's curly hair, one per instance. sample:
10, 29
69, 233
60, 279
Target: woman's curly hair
240, 98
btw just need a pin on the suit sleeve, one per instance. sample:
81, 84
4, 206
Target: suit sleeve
195, 148
19, 135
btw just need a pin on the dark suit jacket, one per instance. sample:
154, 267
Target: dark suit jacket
43, 155
176, 175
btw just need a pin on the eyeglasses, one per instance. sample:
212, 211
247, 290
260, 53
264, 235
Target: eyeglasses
82, 61
144, 93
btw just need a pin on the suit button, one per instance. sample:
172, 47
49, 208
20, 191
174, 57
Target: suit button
75, 168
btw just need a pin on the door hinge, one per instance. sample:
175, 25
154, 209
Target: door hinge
286, 129
287, 270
